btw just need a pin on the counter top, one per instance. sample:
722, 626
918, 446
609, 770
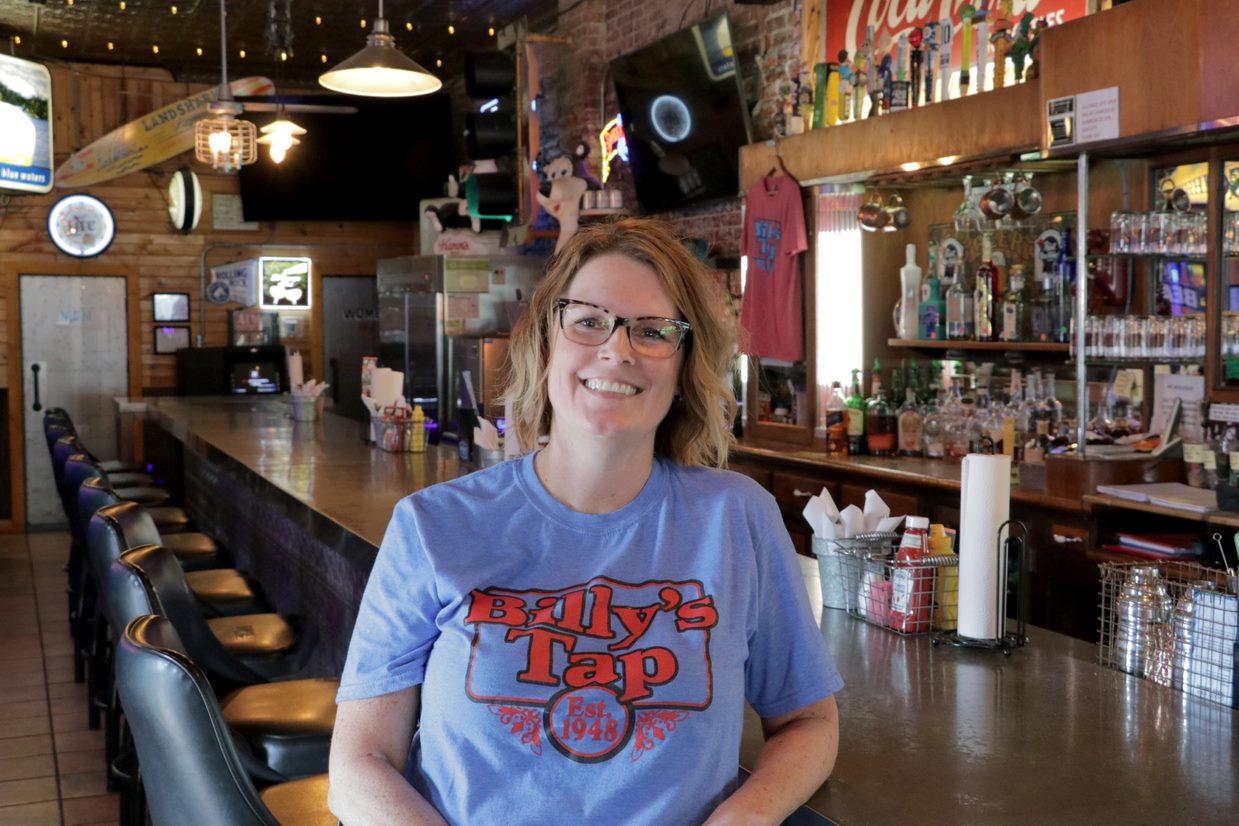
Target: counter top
947, 735
324, 464
928, 735
943, 474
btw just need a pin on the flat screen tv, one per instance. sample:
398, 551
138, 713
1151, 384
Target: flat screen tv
684, 116
374, 165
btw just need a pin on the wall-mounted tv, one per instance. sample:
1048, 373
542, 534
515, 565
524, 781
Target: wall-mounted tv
374, 165
684, 116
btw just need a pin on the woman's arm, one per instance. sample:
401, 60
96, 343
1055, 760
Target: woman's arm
798, 756
369, 747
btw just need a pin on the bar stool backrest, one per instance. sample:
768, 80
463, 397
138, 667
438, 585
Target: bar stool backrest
127, 594
107, 539
190, 766
96, 493
169, 590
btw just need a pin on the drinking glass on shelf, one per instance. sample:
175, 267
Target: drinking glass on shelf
1231, 238
1091, 336
1200, 234
1158, 229
1199, 336
969, 216
1112, 338
1124, 235
1133, 337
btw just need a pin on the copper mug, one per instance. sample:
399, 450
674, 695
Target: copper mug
997, 203
873, 217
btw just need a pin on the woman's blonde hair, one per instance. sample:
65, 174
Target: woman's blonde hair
697, 428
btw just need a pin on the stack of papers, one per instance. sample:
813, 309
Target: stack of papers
1158, 545
1167, 494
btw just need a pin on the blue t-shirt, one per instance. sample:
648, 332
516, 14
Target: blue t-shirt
586, 668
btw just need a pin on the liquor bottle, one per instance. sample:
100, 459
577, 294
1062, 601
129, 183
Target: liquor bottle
1050, 404
836, 422
1064, 283
856, 417
1014, 325
985, 293
911, 429
1044, 310
960, 321
881, 423
909, 302
932, 430
932, 316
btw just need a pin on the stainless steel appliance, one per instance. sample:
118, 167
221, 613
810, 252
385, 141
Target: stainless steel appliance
439, 316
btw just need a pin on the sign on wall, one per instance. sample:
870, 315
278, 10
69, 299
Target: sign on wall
25, 125
848, 20
239, 281
285, 283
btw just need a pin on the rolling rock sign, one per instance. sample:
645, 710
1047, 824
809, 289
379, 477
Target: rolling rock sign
592, 667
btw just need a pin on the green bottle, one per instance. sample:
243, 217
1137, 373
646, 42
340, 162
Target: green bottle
856, 417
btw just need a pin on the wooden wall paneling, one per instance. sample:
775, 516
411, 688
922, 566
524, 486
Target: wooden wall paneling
1112, 49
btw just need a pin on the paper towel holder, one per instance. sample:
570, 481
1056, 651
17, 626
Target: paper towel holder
1006, 642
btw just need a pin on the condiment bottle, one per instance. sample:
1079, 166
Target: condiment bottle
946, 587
912, 583
417, 435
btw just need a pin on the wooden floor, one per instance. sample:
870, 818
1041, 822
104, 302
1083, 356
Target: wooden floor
51, 765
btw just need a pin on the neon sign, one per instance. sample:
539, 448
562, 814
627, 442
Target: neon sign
612, 142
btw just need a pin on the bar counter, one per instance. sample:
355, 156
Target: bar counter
929, 734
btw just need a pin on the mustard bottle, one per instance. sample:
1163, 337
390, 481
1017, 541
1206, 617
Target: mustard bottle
417, 436
946, 585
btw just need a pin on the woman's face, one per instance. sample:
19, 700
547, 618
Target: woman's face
611, 391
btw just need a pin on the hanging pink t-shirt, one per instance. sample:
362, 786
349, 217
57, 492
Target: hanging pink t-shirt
774, 237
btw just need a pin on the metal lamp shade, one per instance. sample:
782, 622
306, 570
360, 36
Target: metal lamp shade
380, 70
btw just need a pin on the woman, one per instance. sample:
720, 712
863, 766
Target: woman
579, 628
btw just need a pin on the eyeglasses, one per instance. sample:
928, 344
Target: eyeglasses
591, 325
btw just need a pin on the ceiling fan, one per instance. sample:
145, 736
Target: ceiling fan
227, 142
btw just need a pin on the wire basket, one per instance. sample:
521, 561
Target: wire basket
1175, 623
906, 598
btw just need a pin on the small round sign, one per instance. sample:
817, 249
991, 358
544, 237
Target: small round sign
218, 292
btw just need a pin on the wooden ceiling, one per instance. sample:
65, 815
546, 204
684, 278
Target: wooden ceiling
101, 31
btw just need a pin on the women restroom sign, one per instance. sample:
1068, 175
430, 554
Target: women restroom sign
285, 283
25, 125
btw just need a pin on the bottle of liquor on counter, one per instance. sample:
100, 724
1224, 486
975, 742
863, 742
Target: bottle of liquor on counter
856, 417
960, 318
932, 317
932, 428
1044, 313
836, 422
985, 293
1064, 283
1014, 326
910, 300
911, 430
881, 423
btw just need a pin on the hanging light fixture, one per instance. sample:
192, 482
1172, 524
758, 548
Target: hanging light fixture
380, 69
222, 139
280, 136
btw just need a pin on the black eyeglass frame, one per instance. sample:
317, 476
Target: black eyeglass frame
686, 329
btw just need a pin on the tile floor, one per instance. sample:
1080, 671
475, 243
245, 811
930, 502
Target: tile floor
51, 765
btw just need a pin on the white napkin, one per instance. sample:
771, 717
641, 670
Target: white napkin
295, 376
852, 520
386, 385
875, 510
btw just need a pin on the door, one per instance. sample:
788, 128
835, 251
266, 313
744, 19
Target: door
74, 331
350, 331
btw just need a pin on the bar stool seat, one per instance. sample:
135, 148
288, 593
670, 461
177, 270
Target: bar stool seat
303, 802
225, 591
287, 724
141, 494
248, 636
195, 551
169, 518
128, 479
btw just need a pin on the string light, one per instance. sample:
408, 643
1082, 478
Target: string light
111, 45
451, 29
68, 2
438, 63
64, 44
318, 21
199, 51
17, 40
173, 9
363, 22
324, 58
122, 5
283, 56
155, 48
243, 54
491, 31
409, 26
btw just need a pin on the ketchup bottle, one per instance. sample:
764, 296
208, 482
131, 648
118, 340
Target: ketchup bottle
912, 583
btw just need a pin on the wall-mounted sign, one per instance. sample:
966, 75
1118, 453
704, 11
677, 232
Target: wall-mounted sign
81, 225
285, 283
241, 280
1088, 117
25, 125
613, 143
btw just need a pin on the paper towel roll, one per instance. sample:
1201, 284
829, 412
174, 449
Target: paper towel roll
295, 376
984, 504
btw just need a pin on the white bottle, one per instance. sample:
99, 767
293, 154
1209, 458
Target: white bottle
910, 292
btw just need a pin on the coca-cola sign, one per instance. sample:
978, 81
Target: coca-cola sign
848, 20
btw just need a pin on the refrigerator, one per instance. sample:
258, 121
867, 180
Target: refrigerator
441, 318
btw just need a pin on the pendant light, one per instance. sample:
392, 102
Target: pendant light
380, 69
222, 139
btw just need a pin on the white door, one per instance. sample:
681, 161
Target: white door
74, 331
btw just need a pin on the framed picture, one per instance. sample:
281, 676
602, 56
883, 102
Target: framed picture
170, 339
170, 306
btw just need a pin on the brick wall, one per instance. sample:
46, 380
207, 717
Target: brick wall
578, 93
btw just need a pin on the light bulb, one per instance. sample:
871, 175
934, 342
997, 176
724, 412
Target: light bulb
243, 54
281, 142
17, 40
220, 142
283, 55
318, 21
64, 44
111, 45
173, 9
199, 51
438, 63
323, 57
155, 48
122, 5
363, 22
491, 31
409, 26
451, 29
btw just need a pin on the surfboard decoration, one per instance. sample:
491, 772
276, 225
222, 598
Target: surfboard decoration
151, 139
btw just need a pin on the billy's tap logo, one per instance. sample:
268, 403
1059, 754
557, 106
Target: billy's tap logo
593, 667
